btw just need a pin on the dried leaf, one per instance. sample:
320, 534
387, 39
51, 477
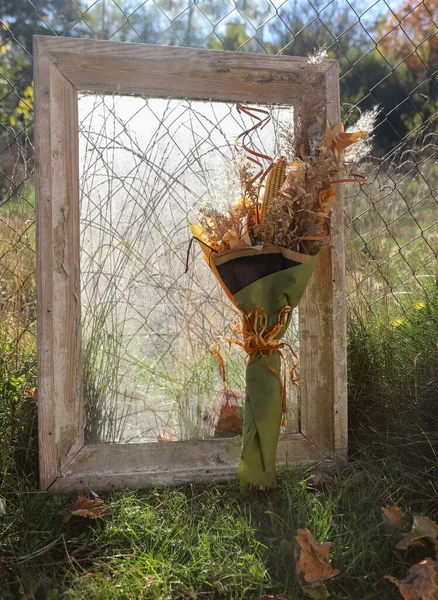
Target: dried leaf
233, 240
421, 582
164, 434
31, 393
229, 423
312, 564
87, 508
223, 418
337, 139
394, 519
424, 534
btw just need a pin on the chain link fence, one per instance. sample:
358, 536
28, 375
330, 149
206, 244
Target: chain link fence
388, 54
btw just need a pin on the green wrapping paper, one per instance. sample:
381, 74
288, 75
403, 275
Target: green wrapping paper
269, 279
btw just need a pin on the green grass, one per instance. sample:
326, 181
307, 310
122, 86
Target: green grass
206, 542
17, 404
393, 369
392, 233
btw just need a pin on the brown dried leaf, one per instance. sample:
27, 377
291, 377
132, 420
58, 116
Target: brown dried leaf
421, 582
312, 564
88, 508
229, 423
394, 518
424, 534
224, 417
164, 434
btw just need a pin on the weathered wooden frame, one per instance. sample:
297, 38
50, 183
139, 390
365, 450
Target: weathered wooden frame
64, 66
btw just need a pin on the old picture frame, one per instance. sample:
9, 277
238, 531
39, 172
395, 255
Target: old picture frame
64, 67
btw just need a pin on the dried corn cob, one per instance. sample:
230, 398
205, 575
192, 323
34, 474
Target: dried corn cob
275, 180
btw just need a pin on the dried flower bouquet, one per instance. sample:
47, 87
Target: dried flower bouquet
263, 251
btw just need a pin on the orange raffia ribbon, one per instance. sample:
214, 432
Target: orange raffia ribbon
258, 339
252, 155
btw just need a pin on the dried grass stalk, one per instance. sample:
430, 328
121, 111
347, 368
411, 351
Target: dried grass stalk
294, 208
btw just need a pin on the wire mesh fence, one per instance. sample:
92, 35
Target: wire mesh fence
151, 309
388, 54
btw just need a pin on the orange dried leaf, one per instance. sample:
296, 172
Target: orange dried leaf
394, 518
229, 423
164, 434
87, 508
312, 564
421, 582
337, 139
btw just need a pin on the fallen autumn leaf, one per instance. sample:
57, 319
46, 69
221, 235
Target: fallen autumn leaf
312, 564
164, 434
423, 535
87, 508
421, 582
394, 519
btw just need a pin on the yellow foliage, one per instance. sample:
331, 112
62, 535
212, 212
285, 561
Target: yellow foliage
25, 105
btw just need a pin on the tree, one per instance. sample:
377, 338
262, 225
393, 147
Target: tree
20, 20
368, 69
411, 35
408, 39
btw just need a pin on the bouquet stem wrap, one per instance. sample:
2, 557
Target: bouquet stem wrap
267, 280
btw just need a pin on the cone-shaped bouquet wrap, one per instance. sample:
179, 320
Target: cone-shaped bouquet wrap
265, 286
263, 251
